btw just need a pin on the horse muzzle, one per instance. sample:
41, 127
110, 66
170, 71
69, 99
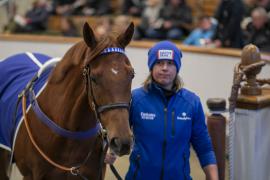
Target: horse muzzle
121, 146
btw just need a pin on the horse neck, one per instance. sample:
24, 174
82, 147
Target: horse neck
66, 102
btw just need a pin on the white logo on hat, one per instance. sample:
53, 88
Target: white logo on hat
165, 54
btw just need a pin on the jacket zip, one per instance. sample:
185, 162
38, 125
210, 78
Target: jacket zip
164, 144
173, 123
137, 167
184, 169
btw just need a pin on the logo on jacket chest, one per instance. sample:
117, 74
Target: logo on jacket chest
183, 117
148, 116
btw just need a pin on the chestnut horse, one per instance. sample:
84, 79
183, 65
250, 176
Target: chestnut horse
87, 92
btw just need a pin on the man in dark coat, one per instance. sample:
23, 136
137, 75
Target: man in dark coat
258, 30
229, 16
177, 19
35, 20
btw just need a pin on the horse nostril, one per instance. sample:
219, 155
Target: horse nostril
125, 148
115, 143
120, 147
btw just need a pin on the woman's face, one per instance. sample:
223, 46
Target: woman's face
164, 73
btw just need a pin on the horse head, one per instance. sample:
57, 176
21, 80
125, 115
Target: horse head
109, 85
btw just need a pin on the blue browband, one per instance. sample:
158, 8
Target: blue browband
113, 49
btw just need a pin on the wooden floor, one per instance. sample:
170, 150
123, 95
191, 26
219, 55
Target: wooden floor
122, 163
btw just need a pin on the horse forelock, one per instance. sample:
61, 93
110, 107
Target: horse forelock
103, 42
80, 51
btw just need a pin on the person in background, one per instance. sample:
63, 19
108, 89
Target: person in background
257, 31
201, 36
166, 118
104, 26
96, 7
150, 20
229, 16
68, 27
133, 7
10, 26
121, 23
81, 7
176, 18
67, 7
249, 5
35, 20
264, 4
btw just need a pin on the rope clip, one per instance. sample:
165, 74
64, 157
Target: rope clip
75, 171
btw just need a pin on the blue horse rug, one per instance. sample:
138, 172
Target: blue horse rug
15, 72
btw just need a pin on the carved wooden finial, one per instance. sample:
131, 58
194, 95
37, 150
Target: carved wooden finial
251, 55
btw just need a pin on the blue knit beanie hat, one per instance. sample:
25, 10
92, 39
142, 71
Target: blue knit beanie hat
164, 50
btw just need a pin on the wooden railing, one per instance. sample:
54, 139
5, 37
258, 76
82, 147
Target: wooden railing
137, 44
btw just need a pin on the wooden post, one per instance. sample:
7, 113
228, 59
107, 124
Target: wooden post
250, 135
251, 141
216, 124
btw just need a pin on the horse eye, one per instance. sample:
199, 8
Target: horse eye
94, 79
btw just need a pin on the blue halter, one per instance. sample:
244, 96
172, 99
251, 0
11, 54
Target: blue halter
112, 50
59, 130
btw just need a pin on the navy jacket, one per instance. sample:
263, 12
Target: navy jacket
163, 131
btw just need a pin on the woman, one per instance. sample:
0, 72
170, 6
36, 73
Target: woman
165, 119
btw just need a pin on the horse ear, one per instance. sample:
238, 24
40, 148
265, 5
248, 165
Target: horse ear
89, 36
124, 39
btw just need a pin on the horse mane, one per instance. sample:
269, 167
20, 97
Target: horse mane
80, 55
